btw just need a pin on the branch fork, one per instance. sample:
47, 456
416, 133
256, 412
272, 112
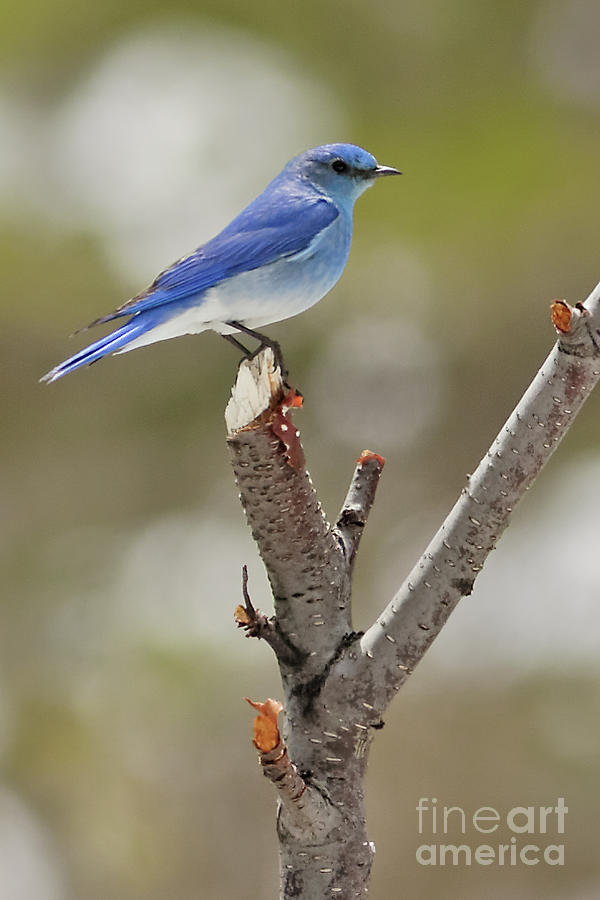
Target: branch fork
338, 684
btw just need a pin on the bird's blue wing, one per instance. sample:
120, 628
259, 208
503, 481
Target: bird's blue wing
271, 228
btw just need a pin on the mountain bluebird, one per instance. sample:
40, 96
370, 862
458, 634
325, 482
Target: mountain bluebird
282, 253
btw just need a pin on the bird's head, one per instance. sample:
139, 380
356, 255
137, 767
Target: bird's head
342, 171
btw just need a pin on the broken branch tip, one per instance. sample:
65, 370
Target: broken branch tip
367, 455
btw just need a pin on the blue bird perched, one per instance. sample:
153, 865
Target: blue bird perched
278, 257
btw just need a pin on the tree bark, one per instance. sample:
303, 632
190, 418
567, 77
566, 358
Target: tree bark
337, 683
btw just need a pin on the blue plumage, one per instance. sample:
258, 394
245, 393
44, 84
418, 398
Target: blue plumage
262, 241
279, 256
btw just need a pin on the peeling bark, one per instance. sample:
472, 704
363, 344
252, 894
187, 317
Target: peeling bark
337, 683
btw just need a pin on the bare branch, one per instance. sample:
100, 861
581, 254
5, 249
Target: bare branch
304, 559
359, 500
339, 683
396, 642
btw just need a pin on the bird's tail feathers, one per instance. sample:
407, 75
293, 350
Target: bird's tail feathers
111, 343
101, 321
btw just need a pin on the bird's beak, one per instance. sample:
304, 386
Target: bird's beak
386, 170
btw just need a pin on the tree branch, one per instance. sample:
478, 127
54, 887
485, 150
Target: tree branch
304, 560
337, 683
395, 643
359, 500
324, 849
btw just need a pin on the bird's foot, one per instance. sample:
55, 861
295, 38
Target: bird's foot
264, 341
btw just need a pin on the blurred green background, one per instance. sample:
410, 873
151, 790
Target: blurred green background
131, 133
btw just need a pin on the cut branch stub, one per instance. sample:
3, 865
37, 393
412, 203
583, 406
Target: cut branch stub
359, 500
308, 814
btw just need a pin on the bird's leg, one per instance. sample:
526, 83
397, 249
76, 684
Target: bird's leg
247, 353
264, 341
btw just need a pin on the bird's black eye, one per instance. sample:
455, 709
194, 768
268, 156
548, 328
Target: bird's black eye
339, 166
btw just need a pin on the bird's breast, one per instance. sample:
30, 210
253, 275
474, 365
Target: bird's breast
290, 285
271, 293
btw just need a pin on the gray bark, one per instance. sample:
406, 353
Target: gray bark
337, 684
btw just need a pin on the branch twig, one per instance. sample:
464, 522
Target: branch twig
359, 500
256, 624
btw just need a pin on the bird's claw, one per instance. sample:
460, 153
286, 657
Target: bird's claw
264, 341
